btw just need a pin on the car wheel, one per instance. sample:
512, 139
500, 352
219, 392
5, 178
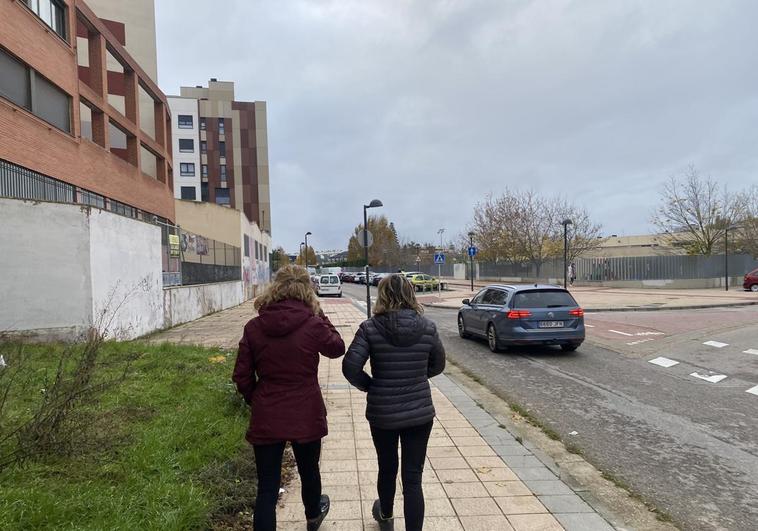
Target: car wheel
571, 347
492, 340
754, 288
462, 328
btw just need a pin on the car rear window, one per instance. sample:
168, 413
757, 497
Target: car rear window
325, 280
543, 298
334, 279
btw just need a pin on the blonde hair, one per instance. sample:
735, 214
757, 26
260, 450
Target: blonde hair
396, 293
291, 282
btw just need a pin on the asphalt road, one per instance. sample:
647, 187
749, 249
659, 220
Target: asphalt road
686, 444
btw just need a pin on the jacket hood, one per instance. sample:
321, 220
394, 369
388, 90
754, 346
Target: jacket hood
401, 328
283, 317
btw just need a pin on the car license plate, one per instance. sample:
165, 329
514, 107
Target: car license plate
551, 324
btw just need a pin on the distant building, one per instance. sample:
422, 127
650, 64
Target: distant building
226, 140
640, 245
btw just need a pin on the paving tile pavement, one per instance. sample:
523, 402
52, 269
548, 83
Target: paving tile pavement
477, 476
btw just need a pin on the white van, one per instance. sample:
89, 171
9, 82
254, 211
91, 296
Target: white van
329, 285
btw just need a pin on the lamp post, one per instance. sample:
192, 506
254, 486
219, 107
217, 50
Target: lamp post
301, 248
373, 204
439, 266
727, 228
565, 223
471, 259
306, 249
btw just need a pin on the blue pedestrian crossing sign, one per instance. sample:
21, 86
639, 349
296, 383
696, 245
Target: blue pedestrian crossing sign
472, 251
439, 258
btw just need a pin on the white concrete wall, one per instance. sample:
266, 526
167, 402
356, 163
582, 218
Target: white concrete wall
125, 261
186, 303
45, 286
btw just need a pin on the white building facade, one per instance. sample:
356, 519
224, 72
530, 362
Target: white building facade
185, 135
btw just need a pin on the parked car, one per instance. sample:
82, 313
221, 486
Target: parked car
329, 285
423, 282
751, 281
360, 278
376, 279
508, 315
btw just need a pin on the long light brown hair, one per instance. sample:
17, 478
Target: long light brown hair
396, 293
291, 282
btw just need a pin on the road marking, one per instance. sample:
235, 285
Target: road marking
622, 333
751, 351
717, 344
713, 378
649, 334
753, 390
639, 341
589, 326
664, 362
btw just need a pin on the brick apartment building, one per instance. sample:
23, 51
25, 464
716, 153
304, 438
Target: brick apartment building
221, 150
80, 120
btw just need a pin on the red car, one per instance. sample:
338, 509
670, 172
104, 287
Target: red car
751, 281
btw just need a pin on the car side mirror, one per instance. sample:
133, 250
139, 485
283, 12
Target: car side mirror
466, 302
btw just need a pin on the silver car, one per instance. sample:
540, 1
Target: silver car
508, 315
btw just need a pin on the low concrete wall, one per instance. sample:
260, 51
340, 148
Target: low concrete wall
182, 304
691, 283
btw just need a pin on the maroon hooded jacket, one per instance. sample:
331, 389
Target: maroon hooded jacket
277, 372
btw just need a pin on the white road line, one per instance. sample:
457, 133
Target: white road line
751, 351
640, 341
664, 362
717, 344
713, 378
622, 333
753, 390
649, 334
589, 326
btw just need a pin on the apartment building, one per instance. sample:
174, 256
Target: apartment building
73, 113
231, 142
186, 148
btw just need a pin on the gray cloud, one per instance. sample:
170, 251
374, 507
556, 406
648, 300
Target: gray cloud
430, 105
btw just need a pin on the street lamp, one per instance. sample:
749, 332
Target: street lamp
306, 249
471, 259
301, 248
726, 253
439, 266
565, 223
373, 204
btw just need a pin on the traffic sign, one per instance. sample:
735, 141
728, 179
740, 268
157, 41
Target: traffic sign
439, 258
472, 251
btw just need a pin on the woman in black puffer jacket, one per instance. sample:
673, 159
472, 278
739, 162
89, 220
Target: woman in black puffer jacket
405, 351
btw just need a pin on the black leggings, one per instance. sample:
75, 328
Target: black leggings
268, 461
413, 442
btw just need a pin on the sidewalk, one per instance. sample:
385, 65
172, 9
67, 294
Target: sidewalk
603, 299
477, 476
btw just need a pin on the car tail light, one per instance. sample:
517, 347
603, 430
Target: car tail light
519, 314
577, 312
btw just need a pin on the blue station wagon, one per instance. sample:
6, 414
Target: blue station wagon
508, 315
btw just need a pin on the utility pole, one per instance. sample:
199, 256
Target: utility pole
439, 267
373, 204
471, 259
565, 223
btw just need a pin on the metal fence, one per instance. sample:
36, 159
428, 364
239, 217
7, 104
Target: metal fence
205, 260
632, 268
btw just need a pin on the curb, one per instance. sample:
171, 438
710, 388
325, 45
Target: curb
627, 309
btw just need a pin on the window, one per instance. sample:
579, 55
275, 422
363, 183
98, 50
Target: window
186, 145
221, 129
187, 169
265, 253
257, 251
222, 196
553, 298
202, 124
18, 82
204, 170
203, 146
222, 170
222, 149
204, 192
52, 13
188, 192
247, 245
185, 121
14, 81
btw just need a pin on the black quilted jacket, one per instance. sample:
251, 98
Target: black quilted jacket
405, 351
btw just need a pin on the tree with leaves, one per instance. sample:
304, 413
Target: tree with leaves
312, 259
696, 211
385, 249
279, 258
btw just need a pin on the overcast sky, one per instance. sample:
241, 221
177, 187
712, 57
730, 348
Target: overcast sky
429, 105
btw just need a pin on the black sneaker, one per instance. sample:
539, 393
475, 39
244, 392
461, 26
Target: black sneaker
386, 523
315, 522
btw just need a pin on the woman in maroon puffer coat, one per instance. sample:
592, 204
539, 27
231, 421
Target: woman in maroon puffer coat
277, 373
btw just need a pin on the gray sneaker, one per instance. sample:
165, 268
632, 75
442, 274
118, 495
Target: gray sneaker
386, 523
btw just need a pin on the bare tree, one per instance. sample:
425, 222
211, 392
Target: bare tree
746, 236
696, 211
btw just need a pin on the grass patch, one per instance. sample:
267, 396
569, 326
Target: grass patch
661, 516
531, 419
163, 449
